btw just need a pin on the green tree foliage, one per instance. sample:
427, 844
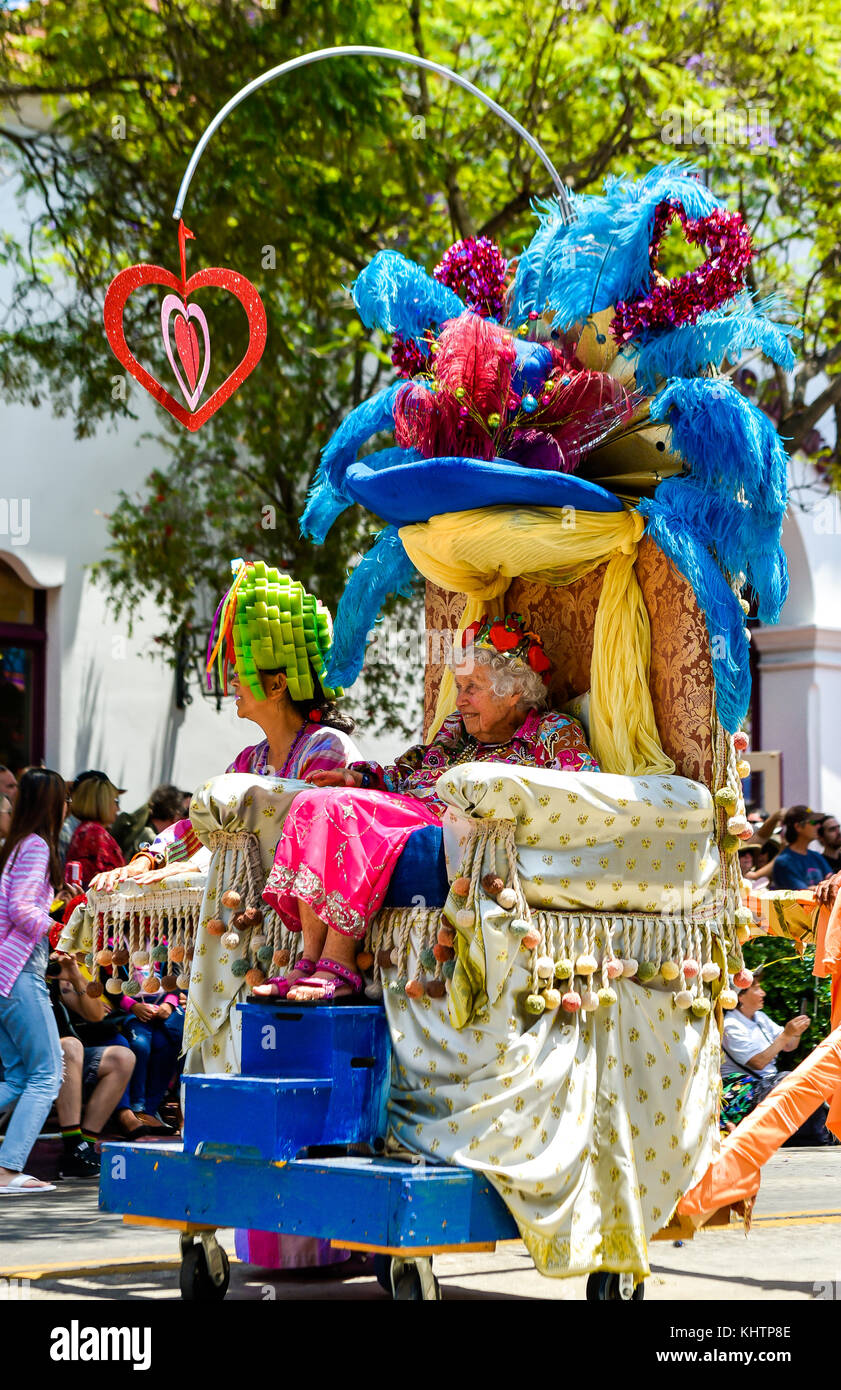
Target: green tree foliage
308, 179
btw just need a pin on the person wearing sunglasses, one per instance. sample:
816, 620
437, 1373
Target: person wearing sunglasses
797, 866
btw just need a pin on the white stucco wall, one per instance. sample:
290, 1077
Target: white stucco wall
800, 662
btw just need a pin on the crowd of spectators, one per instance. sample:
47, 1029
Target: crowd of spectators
111, 1063
103, 1062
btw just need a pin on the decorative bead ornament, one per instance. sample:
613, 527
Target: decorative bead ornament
586, 964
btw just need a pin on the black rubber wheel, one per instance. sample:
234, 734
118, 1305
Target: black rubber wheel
382, 1272
195, 1281
603, 1287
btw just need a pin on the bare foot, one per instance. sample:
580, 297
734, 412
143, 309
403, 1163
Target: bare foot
322, 984
301, 970
128, 1121
31, 1184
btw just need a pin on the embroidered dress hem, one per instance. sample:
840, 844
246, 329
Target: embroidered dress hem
338, 851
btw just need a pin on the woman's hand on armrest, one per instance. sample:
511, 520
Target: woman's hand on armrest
107, 882
179, 866
335, 777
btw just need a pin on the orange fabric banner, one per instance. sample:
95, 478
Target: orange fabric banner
734, 1175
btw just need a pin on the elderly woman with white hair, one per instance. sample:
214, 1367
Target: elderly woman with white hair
342, 840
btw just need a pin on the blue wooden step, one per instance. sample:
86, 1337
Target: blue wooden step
318, 1040
264, 1116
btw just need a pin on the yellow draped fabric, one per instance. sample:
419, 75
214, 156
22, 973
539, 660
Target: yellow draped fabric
479, 552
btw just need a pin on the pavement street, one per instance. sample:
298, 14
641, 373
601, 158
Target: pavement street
68, 1249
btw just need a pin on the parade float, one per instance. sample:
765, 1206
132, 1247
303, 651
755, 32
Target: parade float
568, 446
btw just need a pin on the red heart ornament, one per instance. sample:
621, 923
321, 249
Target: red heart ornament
670, 303
186, 342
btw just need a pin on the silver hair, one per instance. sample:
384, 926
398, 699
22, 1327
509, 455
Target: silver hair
510, 675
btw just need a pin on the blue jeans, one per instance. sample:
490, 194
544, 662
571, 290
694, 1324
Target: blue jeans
156, 1046
32, 1061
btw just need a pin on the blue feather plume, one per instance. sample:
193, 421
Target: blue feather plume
724, 514
385, 570
326, 498
689, 349
396, 295
730, 445
576, 269
524, 294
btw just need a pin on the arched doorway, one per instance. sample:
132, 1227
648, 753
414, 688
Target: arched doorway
22, 683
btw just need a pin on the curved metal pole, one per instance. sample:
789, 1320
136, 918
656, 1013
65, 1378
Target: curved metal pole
364, 49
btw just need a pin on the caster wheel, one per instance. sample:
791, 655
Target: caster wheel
382, 1272
409, 1287
603, 1287
195, 1279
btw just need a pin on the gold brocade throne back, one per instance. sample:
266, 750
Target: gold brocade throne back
681, 676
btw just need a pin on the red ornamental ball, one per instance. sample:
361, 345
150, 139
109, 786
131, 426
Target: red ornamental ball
475, 269
743, 979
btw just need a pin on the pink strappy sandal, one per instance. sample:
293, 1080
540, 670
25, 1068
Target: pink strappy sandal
284, 984
342, 975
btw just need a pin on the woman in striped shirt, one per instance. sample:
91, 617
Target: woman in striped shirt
30, 876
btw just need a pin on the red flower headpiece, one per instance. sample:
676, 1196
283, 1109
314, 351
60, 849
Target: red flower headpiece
509, 637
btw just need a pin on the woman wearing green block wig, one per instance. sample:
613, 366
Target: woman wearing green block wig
276, 639
270, 641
